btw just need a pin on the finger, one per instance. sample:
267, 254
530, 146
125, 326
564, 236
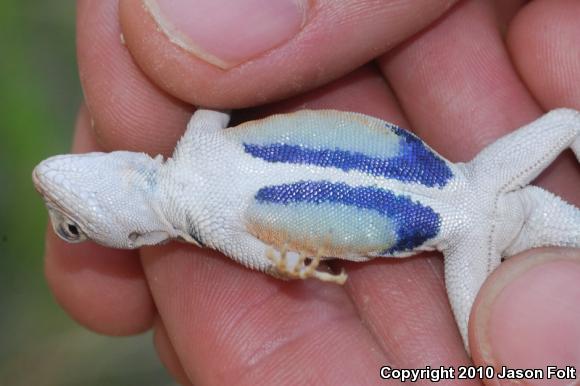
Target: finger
505, 10
167, 354
363, 91
229, 324
132, 113
101, 288
220, 55
129, 112
405, 305
532, 298
543, 41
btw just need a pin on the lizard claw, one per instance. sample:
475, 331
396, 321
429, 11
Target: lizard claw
287, 267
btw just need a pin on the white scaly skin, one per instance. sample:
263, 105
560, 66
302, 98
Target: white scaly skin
209, 194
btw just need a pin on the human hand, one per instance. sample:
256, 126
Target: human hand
217, 322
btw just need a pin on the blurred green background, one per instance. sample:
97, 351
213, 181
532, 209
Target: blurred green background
39, 96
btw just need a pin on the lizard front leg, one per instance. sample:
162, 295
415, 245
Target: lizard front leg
293, 265
201, 123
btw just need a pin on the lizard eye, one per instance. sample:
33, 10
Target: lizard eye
64, 227
69, 231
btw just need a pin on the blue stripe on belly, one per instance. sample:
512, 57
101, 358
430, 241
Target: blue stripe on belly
414, 162
414, 223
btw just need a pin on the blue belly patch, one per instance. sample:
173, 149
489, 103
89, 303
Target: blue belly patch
368, 218
346, 141
415, 164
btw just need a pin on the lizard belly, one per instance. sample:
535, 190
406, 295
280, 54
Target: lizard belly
368, 190
344, 214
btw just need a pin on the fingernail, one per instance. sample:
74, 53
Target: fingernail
226, 33
532, 316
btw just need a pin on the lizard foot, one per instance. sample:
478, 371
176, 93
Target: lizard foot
289, 268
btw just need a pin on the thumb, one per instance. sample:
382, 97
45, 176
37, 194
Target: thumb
231, 54
527, 314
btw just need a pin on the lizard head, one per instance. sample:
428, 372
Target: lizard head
104, 197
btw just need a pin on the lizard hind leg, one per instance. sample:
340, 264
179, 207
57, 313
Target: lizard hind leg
295, 265
519, 157
548, 221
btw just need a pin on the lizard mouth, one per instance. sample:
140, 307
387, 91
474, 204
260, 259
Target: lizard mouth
37, 182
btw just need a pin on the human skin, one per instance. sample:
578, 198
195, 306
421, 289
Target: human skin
479, 71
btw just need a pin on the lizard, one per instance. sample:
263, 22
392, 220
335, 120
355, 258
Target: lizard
282, 193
